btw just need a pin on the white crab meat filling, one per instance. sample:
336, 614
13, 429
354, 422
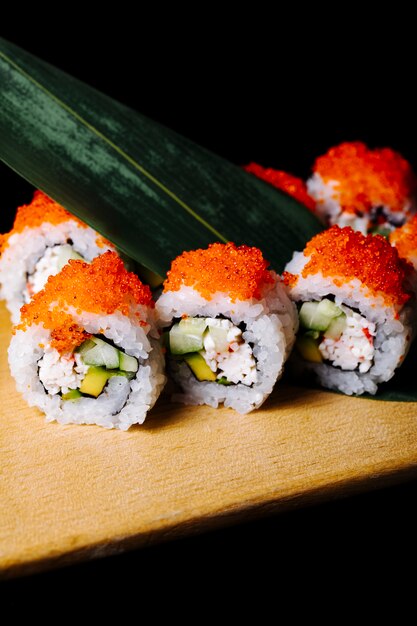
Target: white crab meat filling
226, 352
355, 347
60, 373
48, 265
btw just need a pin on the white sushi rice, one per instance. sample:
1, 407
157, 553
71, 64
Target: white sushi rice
122, 403
30, 253
271, 324
327, 197
393, 329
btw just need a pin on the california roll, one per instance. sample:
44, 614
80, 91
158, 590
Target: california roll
228, 326
86, 350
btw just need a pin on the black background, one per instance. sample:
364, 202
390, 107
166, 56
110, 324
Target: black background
281, 102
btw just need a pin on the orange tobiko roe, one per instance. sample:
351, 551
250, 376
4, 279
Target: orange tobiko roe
367, 178
292, 185
405, 239
238, 271
344, 254
43, 209
102, 287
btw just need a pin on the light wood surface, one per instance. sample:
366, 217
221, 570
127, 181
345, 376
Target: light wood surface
74, 492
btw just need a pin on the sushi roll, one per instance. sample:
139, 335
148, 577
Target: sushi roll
228, 326
353, 297
86, 350
44, 237
369, 190
292, 185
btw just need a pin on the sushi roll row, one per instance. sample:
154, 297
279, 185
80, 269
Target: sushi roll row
90, 344
86, 346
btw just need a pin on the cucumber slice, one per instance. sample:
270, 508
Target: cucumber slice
128, 375
187, 336
329, 308
219, 336
94, 381
308, 349
72, 394
65, 254
318, 315
199, 367
103, 354
86, 346
128, 363
336, 327
311, 319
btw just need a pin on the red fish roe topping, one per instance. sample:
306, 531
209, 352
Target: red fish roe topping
344, 254
42, 209
405, 239
102, 287
239, 271
289, 279
292, 185
367, 178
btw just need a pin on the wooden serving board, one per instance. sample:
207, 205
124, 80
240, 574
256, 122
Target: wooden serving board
73, 492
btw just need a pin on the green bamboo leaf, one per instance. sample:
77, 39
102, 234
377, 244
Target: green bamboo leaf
146, 188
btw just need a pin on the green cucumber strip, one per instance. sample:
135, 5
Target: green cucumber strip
187, 336
103, 354
329, 308
219, 336
318, 315
87, 345
336, 327
128, 363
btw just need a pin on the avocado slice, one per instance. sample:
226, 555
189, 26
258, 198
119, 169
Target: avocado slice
219, 336
199, 367
94, 381
72, 394
308, 349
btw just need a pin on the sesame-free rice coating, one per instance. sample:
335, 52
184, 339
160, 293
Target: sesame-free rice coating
42, 209
367, 178
102, 287
238, 271
344, 254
